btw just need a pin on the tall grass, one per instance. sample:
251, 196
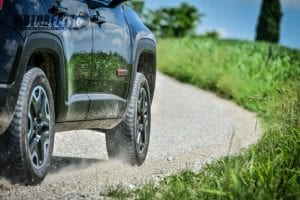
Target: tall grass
261, 77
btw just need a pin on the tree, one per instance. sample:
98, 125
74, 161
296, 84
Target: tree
212, 34
174, 21
137, 5
268, 27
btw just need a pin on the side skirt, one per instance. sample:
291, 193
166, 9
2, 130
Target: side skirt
93, 124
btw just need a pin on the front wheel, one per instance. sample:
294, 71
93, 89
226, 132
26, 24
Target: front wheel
130, 139
31, 133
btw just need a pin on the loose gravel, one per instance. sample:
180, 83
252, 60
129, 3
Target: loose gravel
190, 127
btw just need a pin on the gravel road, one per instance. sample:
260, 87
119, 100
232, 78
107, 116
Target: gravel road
190, 127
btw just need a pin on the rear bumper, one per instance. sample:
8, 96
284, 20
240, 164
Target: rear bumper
8, 98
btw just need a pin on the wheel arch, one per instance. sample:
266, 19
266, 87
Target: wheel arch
45, 51
144, 62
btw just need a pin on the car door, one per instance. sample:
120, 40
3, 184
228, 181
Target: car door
111, 57
76, 32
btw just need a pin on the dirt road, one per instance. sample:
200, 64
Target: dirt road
190, 127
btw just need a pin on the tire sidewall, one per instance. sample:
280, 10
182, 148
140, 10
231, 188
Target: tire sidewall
141, 83
37, 78
121, 141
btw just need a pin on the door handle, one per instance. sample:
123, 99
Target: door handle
97, 18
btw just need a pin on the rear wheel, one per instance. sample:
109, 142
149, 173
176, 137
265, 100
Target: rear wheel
31, 133
130, 139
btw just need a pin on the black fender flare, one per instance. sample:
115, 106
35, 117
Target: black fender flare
52, 44
144, 45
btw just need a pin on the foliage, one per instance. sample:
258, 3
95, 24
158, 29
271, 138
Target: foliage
100, 77
265, 83
137, 5
173, 21
212, 34
268, 28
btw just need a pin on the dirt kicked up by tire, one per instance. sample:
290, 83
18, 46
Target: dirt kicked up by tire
30, 136
130, 139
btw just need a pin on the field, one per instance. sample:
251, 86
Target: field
260, 77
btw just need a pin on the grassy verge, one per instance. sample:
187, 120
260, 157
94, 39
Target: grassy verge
259, 77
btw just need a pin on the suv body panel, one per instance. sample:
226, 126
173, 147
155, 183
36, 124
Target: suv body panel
111, 52
85, 96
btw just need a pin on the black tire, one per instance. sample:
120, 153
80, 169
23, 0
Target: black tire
129, 141
31, 133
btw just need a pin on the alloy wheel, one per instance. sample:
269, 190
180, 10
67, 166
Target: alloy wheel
142, 123
38, 133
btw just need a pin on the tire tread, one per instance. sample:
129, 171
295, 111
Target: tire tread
120, 141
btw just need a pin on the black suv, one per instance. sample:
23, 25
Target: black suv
72, 64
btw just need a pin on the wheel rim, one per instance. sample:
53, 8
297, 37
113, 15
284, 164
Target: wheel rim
38, 133
142, 125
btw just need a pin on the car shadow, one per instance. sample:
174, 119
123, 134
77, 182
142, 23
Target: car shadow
59, 163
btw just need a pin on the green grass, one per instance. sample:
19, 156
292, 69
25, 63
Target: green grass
261, 77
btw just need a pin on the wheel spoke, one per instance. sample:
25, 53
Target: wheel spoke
37, 99
145, 121
46, 135
137, 127
34, 107
47, 110
42, 104
41, 151
29, 126
145, 103
141, 127
143, 97
139, 106
145, 109
34, 144
44, 145
138, 139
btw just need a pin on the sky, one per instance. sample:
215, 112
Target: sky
238, 18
